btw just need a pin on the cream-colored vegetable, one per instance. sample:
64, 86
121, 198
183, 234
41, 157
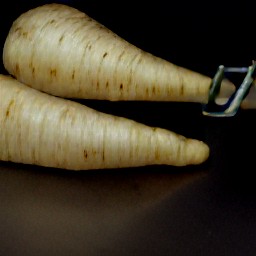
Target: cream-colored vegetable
37, 128
60, 50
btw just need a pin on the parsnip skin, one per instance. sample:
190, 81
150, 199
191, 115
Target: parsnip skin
60, 50
37, 128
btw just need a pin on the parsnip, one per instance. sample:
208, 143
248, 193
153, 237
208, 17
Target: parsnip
37, 128
58, 49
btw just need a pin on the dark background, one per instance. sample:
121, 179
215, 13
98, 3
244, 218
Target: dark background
156, 210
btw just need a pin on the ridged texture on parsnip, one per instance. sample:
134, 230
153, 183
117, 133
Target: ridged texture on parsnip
37, 128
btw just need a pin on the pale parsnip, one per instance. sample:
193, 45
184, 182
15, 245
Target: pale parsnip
37, 128
62, 51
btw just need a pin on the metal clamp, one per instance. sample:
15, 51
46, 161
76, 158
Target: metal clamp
231, 107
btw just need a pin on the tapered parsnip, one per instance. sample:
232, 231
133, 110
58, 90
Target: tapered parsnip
60, 50
37, 128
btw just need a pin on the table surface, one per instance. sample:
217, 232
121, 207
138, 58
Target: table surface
151, 211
